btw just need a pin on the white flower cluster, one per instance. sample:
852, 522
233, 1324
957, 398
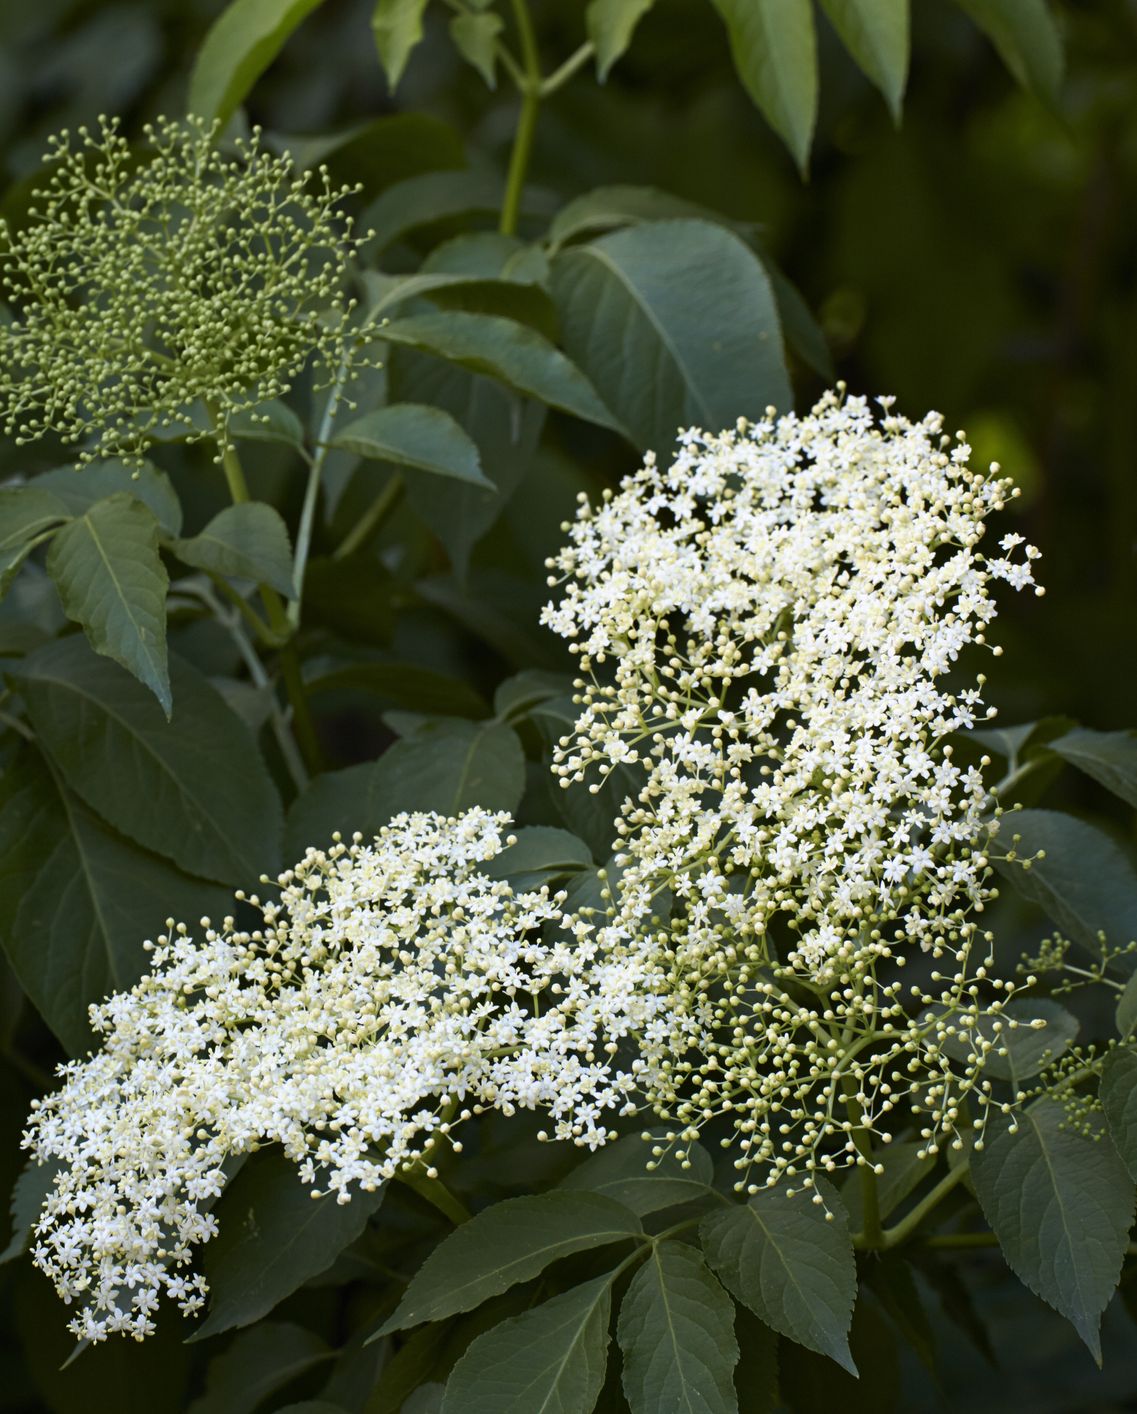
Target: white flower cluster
393, 990
765, 630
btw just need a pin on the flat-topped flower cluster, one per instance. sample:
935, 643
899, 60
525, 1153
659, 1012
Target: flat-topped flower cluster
393, 990
768, 633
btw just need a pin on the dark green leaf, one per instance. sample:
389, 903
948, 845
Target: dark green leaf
677, 322
875, 32
517, 695
1085, 882
620, 1170
422, 438
1119, 1100
775, 53
77, 901
756, 1374
112, 581
28, 1196
80, 490
195, 790
258, 1363
1028, 40
676, 1330
403, 685
25, 512
506, 350
610, 25
890, 1278
385, 150
446, 766
1109, 757
475, 38
904, 1170
605, 208
542, 853
1061, 1206
509, 1243
802, 332
397, 27
1027, 1050
270, 422
273, 1235
419, 201
550, 1359
240, 45
793, 1268
1126, 1015
247, 541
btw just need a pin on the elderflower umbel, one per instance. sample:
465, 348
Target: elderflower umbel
764, 630
151, 284
393, 990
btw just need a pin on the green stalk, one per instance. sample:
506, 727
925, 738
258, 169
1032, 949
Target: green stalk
872, 1234
526, 123
435, 1192
371, 519
908, 1225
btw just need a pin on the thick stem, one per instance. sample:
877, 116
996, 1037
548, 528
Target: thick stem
526, 123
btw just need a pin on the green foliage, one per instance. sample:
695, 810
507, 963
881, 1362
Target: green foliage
242, 43
247, 541
421, 438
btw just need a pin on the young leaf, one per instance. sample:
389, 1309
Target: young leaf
240, 45
446, 765
610, 25
273, 1235
677, 322
875, 32
1084, 881
792, 1267
256, 1364
506, 1244
1119, 1100
248, 541
551, 1358
422, 438
775, 52
506, 350
1109, 757
475, 38
77, 901
397, 27
1061, 1206
111, 580
80, 490
196, 791
676, 1330
619, 1170
1028, 40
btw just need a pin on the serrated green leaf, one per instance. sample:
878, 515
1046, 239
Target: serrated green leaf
676, 1330
508, 1243
247, 541
111, 580
30, 1192
775, 52
1028, 40
1119, 1101
677, 322
875, 32
258, 1363
273, 1236
475, 38
447, 766
620, 1170
397, 27
550, 1359
790, 1266
1061, 1206
610, 25
77, 901
1085, 882
1109, 757
542, 853
79, 490
239, 46
422, 438
195, 790
503, 349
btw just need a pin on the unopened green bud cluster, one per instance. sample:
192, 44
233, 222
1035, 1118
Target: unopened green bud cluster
151, 283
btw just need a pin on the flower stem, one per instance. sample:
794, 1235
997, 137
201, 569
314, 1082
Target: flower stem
908, 1225
526, 123
435, 1193
872, 1234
